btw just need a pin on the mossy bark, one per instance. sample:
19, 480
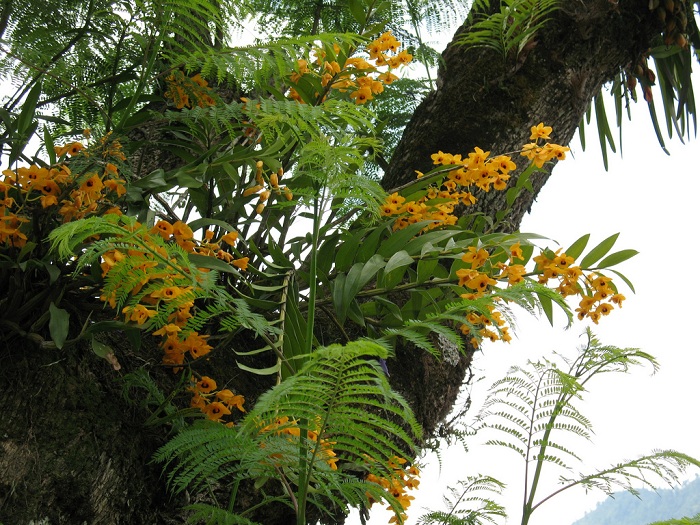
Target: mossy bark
72, 450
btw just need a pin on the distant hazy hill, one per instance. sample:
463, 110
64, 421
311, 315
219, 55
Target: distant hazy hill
626, 509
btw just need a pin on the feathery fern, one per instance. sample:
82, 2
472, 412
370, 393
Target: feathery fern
531, 405
509, 30
339, 403
469, 505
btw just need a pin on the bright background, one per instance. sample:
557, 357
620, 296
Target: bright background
651, 199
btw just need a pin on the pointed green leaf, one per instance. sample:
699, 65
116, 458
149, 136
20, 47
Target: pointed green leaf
100, 349
346, 287
578, 246
58, 324
345, 253
617, 258
212, 263
357, 10
26, 116
399, 239
426, 269
599, 251
398, 260
657, 129
271, 370
154, 180
625, 279
547, 308
206, 221
49, 145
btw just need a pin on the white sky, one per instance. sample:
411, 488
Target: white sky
651, 199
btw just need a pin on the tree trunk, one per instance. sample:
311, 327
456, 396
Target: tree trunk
486, 101
72, 451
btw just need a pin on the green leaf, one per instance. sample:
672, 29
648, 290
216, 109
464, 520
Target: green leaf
625, 279
398, 240
346, 287
604, 133
599, 251
576, 249
102, 350
53, 271
617, 258
206, 221
415, 246
371, 245
390, 278
58, 324
49, 145
152, 181
25, 124
24, 121
212, 263
357, 10
398, 260
345, 253
271, 370
192, 178
426, 269
547, 307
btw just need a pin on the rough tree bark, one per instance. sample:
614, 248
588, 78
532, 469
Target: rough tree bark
484, 101
72, 451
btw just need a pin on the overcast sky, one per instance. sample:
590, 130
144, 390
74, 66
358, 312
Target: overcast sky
651, 199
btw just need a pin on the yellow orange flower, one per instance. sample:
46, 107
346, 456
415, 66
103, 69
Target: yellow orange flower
139, 313
163, 228
205, 385
540, 132
362, 95
196, 345
241, 263
231, 399
216, 410
230, 238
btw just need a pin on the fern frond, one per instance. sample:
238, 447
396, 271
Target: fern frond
201, 513
509, 30
340, 398
468, 504
252, 67
664, 466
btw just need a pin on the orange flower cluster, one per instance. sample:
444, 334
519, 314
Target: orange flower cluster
188, 92
437, 205
397, 484
478, 170
597, 293
183, 236
168, 286
480, 276
360, 77
56, 192
283, 426
265, 189
214, 404
537, 154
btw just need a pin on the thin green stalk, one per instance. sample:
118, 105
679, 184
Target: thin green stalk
304, 468
527, 501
